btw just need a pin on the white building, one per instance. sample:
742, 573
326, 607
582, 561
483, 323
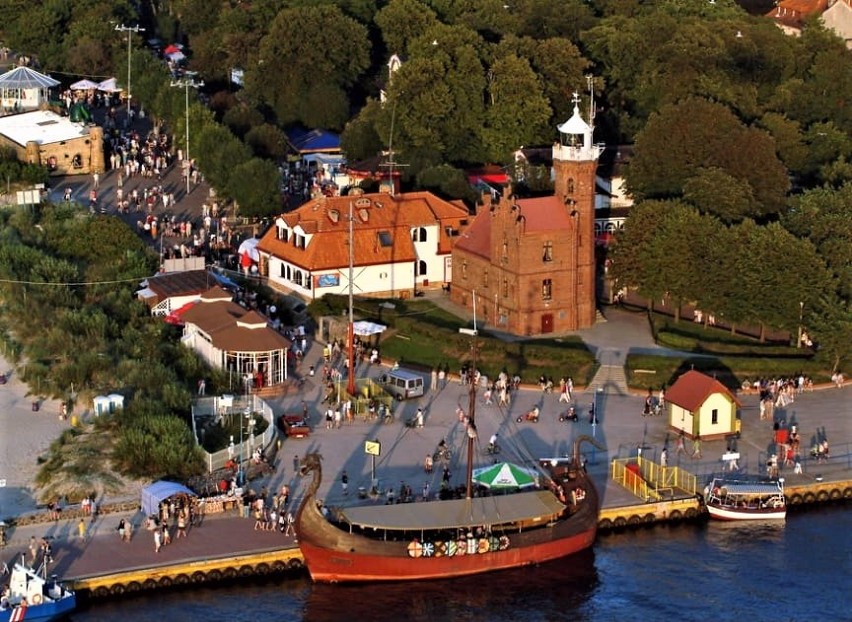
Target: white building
401, 244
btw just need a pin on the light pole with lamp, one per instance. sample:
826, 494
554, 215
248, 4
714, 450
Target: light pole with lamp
128, 30
801, 315
186, 82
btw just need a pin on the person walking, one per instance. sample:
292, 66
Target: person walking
664, 458
680, 447
290, 530
696, 448
81, 529
158, 540
181, 524
344, 482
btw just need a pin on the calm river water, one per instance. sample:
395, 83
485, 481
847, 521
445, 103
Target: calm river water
801, 570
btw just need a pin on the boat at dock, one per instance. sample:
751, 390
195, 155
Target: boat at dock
733, 500
32, 597
553, 513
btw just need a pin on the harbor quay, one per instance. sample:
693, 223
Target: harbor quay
227, 545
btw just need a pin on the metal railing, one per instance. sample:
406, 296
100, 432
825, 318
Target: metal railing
650, 481
222, 406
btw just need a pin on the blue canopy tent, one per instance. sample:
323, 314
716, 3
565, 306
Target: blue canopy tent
305, 142
158, 491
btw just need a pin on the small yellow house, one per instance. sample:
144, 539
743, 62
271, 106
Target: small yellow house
699, 405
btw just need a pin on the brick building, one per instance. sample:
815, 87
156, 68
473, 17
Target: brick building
529, 264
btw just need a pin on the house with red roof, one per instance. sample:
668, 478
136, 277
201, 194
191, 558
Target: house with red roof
400, 244
527, 266
700, 405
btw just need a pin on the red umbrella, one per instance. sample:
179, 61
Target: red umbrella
174, 47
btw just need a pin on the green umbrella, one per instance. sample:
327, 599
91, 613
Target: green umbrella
505, 475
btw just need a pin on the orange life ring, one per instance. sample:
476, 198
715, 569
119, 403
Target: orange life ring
504, 543
415, 549
37, 599
484, 545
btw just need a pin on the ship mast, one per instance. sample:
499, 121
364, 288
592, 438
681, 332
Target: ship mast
350, 330
471, 422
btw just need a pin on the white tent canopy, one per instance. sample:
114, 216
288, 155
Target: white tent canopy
84, 85
249, 247
108, 86
363, 328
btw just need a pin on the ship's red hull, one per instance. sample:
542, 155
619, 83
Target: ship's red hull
326, 565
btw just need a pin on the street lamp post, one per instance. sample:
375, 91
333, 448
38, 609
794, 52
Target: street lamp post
128, 30
801, 315
186, 82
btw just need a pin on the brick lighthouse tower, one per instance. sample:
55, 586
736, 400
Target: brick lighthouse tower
575, 162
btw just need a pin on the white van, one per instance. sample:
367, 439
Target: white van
402, 384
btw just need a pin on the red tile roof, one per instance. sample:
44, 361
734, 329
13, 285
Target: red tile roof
693, 388
544, 214
476, 239
376, 216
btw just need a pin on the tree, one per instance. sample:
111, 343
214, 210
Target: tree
824, 217
256, 183
219, 154
308, 58
714, 191
518, 112
401, 21
697, 134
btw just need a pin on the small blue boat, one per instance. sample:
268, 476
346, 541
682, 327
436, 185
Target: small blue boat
31, 597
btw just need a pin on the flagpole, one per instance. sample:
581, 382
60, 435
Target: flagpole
350, 333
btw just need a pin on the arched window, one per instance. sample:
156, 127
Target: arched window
421, 233
297, 277
547, 289
421, 268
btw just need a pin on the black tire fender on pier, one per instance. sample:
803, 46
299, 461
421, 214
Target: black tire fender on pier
294, 564
634, 520
847, 493
165, 582
835, 494
133, 587
246, 571
649, 519
675, 516
796, 499
214, 575
149, 584
605, 524
199, 577
691, 513
101, 592
620, 522
822, 496
229, 573
278, 566
262, 569
810, 497
181, 579
118, 589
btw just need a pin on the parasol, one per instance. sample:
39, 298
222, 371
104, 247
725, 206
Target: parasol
505, 475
